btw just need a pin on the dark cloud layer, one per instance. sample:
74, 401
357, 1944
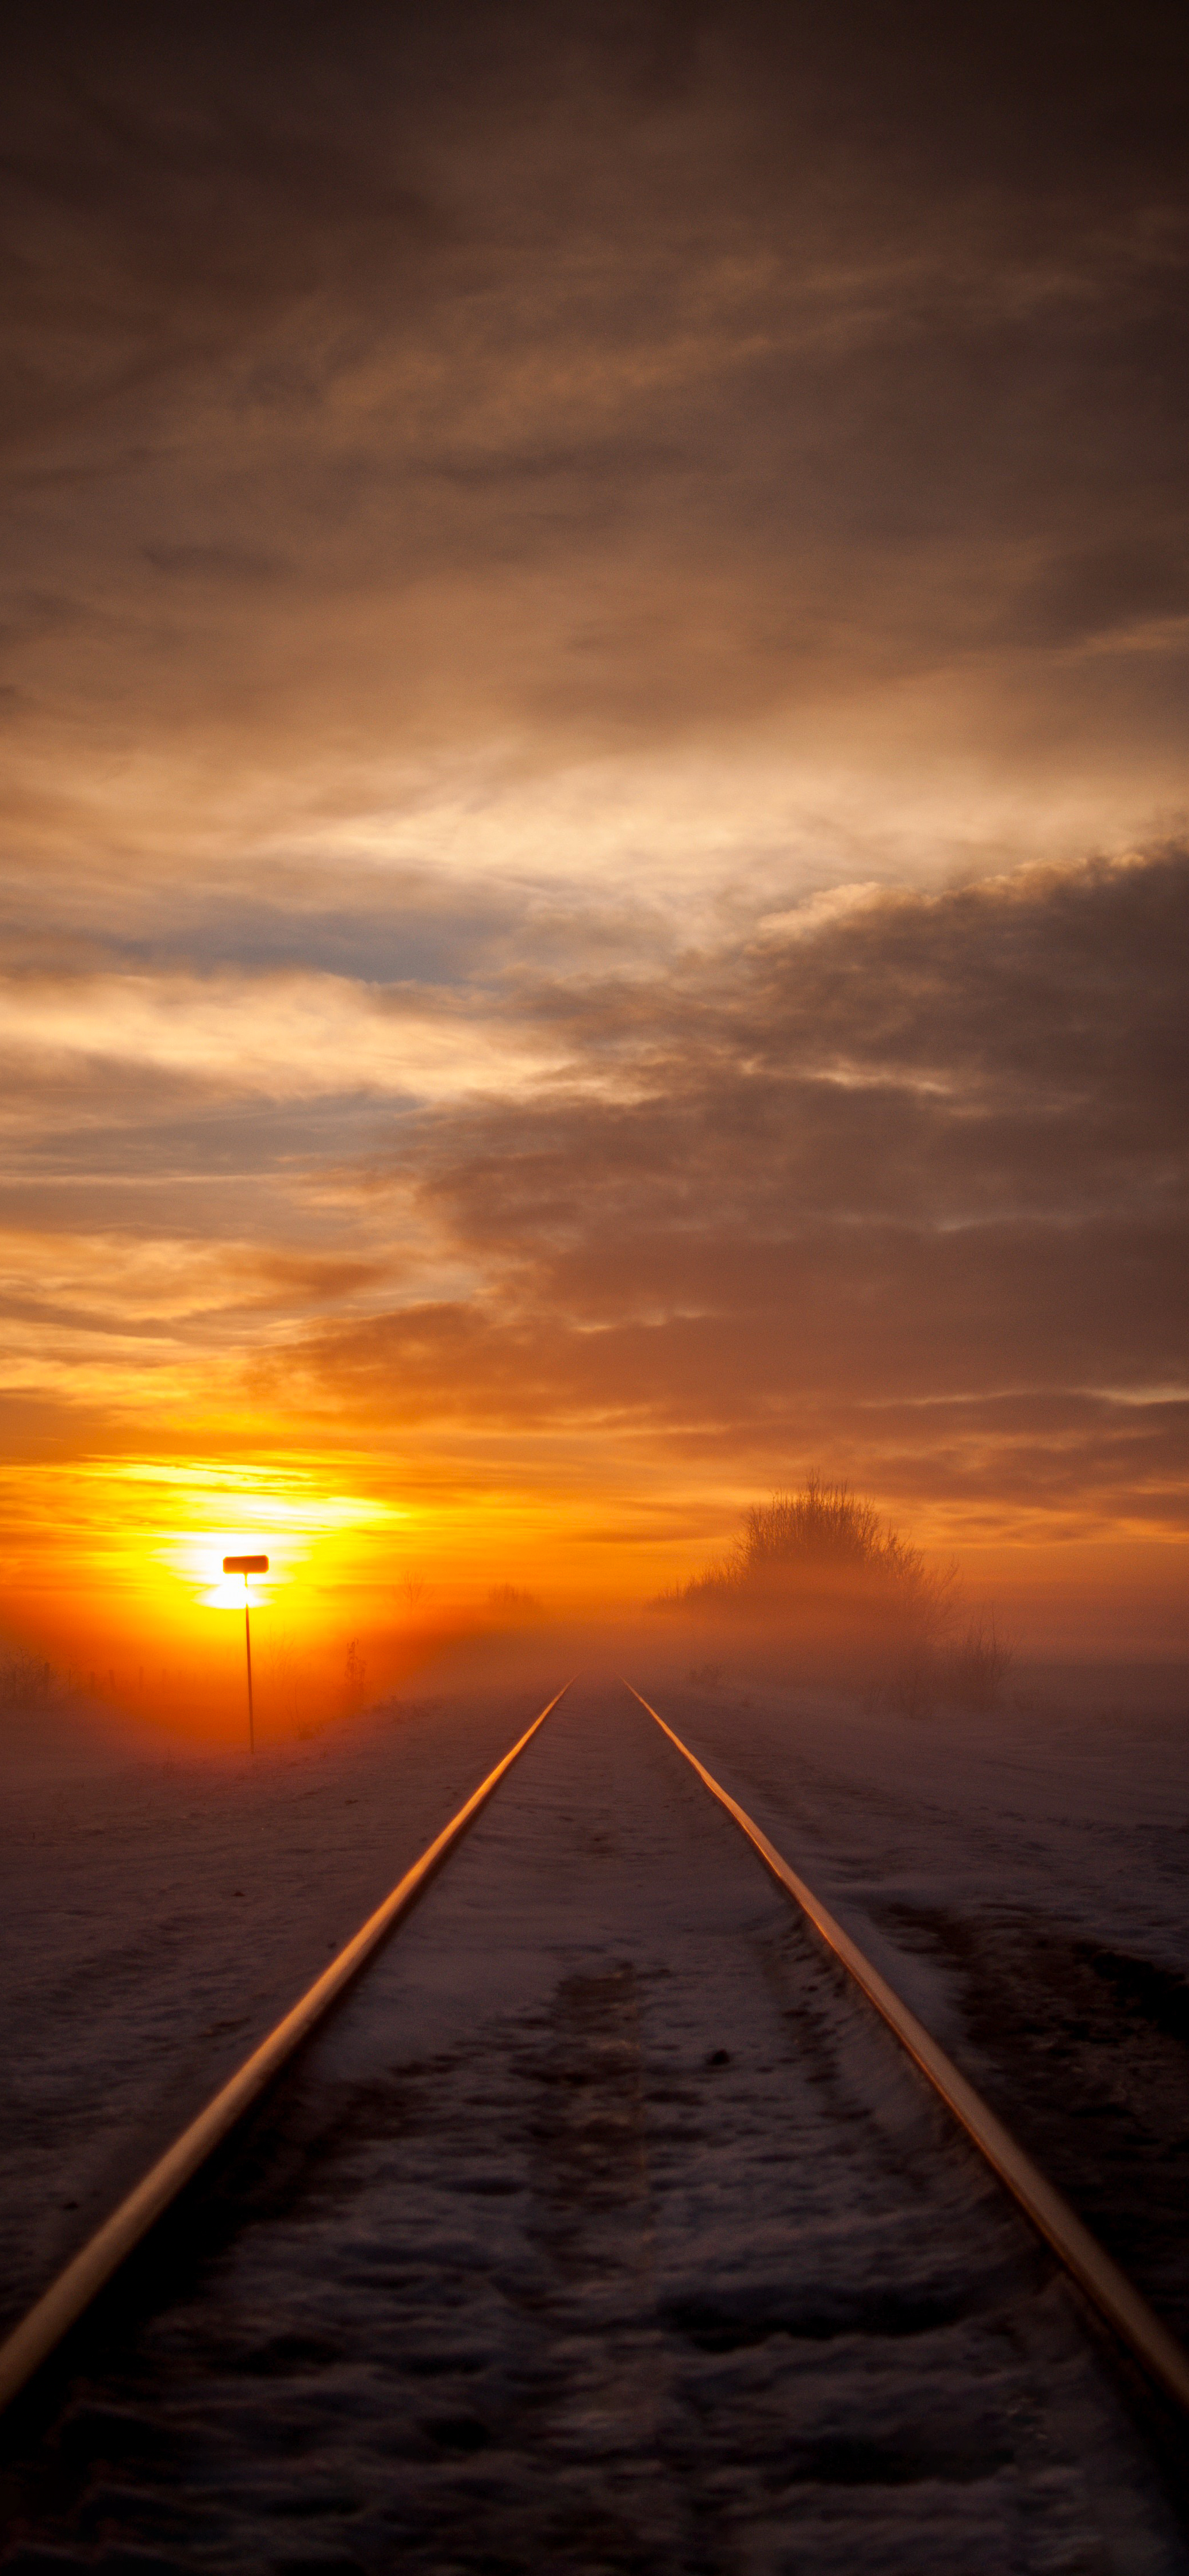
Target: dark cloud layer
915, 1185
378, 373
557, 563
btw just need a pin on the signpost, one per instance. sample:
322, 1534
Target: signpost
247, 1565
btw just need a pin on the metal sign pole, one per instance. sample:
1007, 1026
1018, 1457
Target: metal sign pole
247, 1565
248, 1652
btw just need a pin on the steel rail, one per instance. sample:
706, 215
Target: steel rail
39, 2333
1162, 2358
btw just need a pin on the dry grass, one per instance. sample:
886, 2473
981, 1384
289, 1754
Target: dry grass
975, 1668
25, 1680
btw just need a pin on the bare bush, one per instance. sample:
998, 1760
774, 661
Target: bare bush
823, 1542
818, 1580
968, 1673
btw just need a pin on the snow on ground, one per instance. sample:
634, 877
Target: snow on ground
1021, 1876
1078, 1799
602, 2229
161, 1913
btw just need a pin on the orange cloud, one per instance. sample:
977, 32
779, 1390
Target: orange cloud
594, 774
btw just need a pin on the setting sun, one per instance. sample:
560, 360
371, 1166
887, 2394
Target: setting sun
597, 902
593, 983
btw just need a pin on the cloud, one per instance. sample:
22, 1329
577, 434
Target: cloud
962, 1261
528, 380
283, 1035
578, 580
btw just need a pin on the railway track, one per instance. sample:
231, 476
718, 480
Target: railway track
599, 2226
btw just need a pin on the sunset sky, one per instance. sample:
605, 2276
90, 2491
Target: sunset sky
597, 869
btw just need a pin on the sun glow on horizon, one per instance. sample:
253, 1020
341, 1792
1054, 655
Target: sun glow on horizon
145, 1537
117, 1561
301, 1529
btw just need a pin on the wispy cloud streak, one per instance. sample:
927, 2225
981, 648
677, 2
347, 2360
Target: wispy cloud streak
594, 651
